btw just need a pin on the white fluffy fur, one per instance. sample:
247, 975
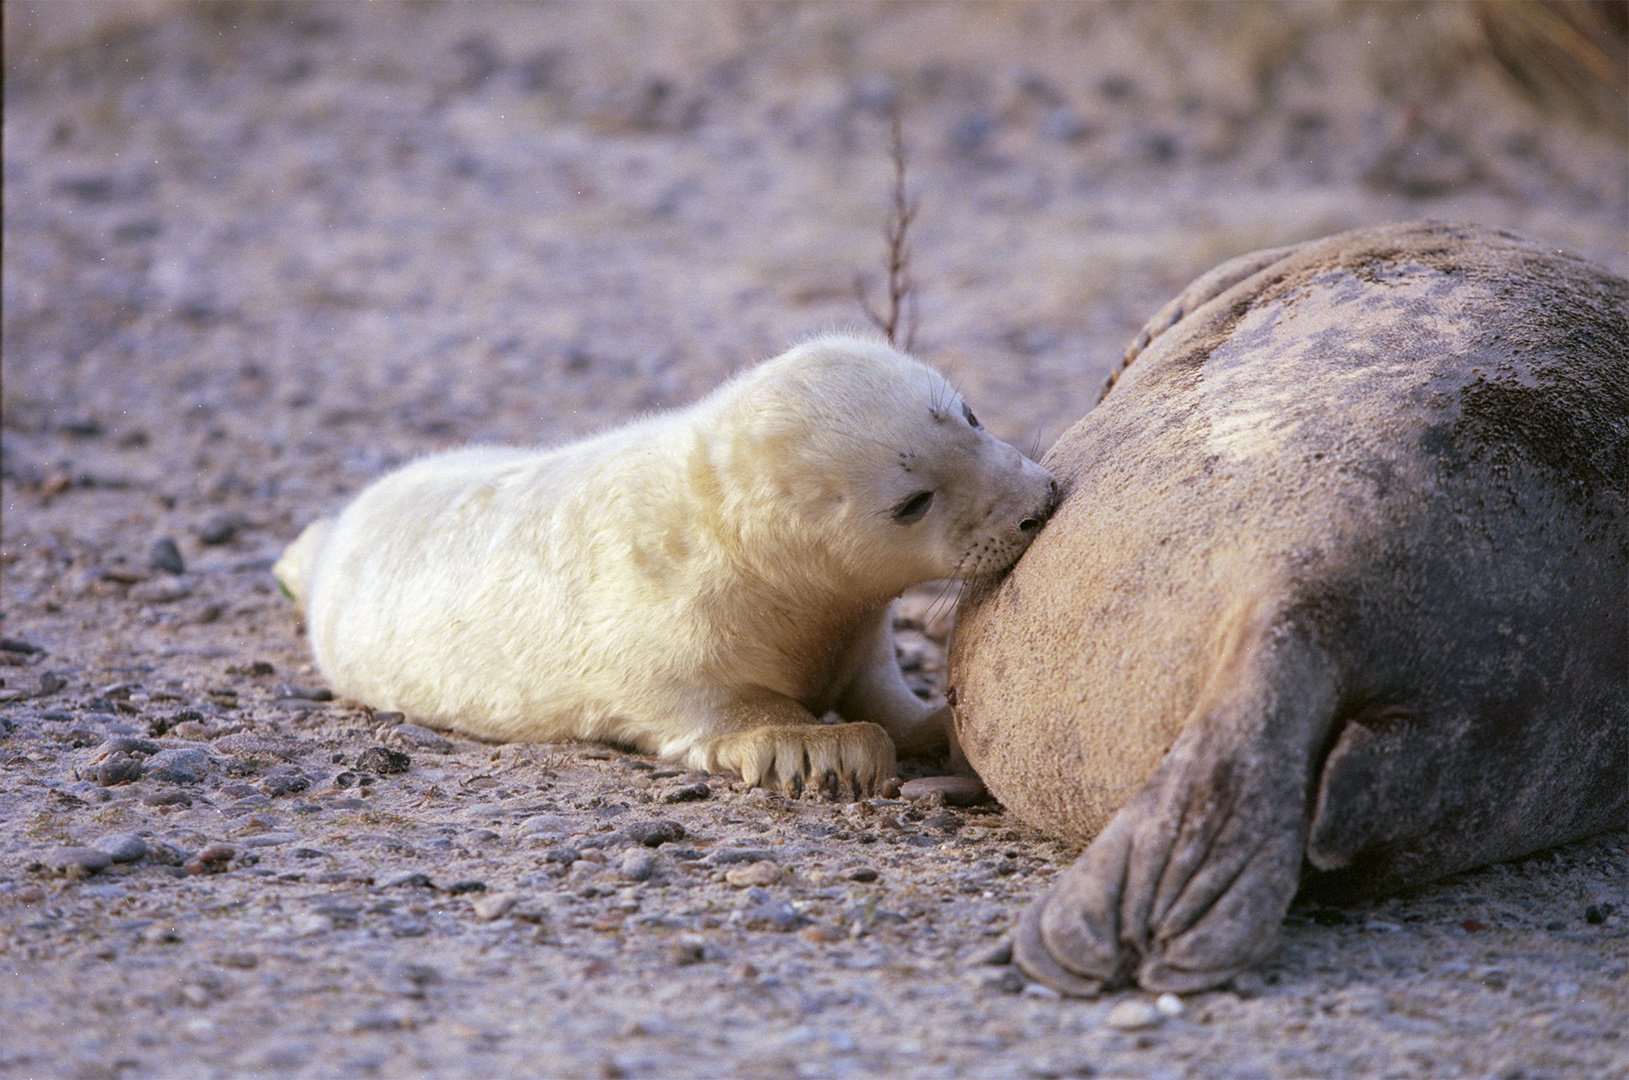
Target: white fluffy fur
701, 584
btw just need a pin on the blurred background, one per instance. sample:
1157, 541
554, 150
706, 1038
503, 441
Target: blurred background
336, 233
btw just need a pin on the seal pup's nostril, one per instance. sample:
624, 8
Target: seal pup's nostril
1029, 525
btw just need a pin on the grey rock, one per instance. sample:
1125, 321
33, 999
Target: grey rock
422, 737
654, 833
221, 528
166, 557
383, 761
76, 862
118, 769
179, 765
637, 864
166, 590
123, 847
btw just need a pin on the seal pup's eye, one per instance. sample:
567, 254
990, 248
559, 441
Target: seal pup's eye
912, 508
972, 420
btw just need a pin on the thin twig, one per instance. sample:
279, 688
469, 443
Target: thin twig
898, 324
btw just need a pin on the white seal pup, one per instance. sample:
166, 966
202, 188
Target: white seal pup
703, 584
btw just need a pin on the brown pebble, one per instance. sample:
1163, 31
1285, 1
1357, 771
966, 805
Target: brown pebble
211, 858
758, 873
956, 790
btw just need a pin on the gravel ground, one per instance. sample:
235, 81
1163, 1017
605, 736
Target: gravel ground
256, 255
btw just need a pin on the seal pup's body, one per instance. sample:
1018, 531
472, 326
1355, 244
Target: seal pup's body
1339, 582
701, 584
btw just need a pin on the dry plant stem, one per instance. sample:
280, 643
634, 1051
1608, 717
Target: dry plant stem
898, 324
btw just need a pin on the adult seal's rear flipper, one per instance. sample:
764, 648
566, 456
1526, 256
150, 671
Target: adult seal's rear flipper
1188, 882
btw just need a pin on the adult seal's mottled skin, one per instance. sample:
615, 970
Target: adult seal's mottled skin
1338, 594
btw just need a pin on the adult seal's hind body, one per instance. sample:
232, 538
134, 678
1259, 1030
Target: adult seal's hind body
1338, 591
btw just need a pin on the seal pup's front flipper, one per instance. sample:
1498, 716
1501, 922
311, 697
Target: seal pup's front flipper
772, 741
1189, 881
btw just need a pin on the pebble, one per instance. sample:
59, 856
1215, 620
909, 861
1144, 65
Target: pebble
76, 862
637, 864
166, 557
179, 765
771, 914
161, 590
654, 833
956, 790
305, 693
546, 825
221, 528
118, 769
757, 873
725, 856
123, 847
422, 737
686, 793
1132, 1015
1169, 1005
211, 858
415, 879
383, 761
495, 906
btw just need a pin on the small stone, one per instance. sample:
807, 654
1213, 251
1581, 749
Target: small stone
1168, 1005
687, 793
179, 765
552, 825
422, 737
211, 858
955, 790
655, 833
51, 683
383, 761
862, 873
76, 862
221, 528
413, 879
162, 590
171, 797
305, 693
495, 906
775, 915
118, 769
128, 744
166, 557
284, 784
637, 864
685, 951
758, 873
1132, 1016
123, 847
726, 856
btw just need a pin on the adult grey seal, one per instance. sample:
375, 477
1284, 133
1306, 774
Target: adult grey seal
1338, 593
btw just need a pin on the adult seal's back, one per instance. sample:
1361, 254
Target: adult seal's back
1339, 591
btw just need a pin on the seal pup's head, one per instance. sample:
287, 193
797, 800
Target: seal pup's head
855, 450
